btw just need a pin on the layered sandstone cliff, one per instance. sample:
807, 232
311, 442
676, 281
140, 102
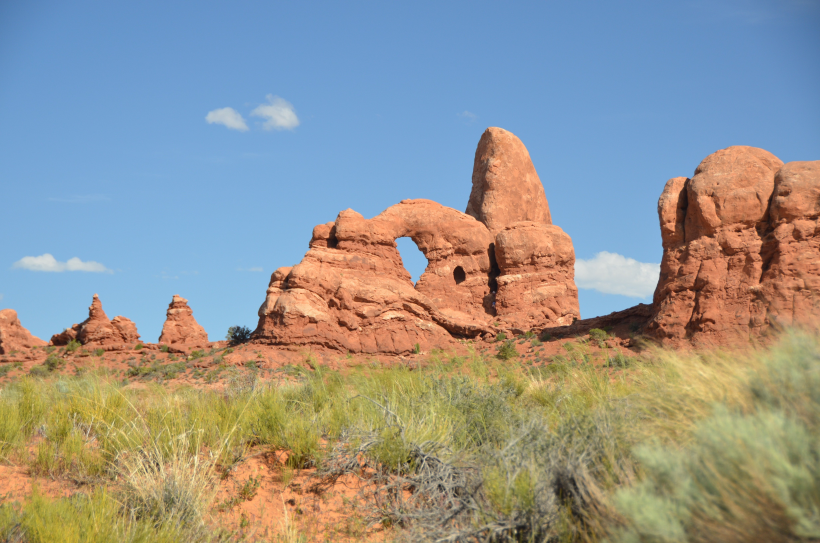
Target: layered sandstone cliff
501, 265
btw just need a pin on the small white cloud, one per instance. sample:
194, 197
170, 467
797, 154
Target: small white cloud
81, 199
278, 112
470, 116
227, 116
254, 269
47, 263
612, 273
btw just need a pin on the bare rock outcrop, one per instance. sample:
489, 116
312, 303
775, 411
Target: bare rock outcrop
352, 292
740, 243
98, 331
536, 284
180, 327
506, 187
790, 286
13, 337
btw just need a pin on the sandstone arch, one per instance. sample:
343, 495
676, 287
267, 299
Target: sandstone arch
352, 292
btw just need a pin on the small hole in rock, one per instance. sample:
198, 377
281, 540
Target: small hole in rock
459, 275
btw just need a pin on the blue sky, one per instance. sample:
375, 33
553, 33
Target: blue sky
106, 155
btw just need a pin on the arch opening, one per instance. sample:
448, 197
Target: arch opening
459, 275
412, 258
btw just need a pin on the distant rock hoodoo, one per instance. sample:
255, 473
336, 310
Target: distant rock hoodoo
13, 337
180, 327
502, 265
741, 248
98, 331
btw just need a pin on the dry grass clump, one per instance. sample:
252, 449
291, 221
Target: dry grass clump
166, 485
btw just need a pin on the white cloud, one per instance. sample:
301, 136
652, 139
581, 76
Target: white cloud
254, 269
278, 112
81, 199
470, 116
227, 116
47, 263
612, 273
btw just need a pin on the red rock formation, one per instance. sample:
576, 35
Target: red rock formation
790, 286
352, 292
733, 262
97, 330
536, 284
506, 187
13, 337
180, 327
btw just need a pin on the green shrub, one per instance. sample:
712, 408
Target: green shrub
138, 347
416, 349
618, 360
163, 348
99, 352
72, 346
507, 350
238, 335
196, 354
599, 336
501, 336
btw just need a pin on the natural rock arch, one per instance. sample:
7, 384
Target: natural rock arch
352, 292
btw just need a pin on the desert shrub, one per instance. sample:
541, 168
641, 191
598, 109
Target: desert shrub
507, 350
138, 347
416, 349
618, 360
38, 371
238, 335
196, 354
164, 371
501, 336
83, 518
53, 363
72, 346
598, 336
744, 478
164, 348
160, 487
99, 352
6, 368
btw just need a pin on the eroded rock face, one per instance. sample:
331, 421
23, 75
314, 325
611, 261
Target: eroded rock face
180, 327
506, 187
790, 286
13, 337
352, 292
97, 330
740, 248
536, 284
